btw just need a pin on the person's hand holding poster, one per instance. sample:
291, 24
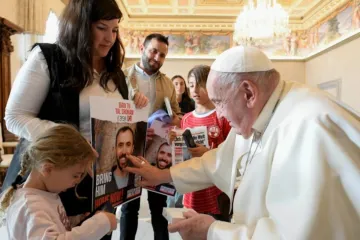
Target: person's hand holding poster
118, 129
180, 150
159, 153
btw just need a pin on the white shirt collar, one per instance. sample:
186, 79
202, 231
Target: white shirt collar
267, 111
142, 72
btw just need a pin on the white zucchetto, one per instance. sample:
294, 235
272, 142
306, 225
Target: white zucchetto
242, 59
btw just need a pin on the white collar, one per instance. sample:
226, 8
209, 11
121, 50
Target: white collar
198, 115
142, 72
266, 113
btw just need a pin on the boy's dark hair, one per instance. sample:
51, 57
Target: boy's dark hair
201, 73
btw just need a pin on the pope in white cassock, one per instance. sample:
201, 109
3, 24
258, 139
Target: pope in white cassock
296, 149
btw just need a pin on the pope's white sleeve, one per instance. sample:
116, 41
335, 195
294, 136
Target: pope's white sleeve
27, 95
313, 190
193, 175
265, 229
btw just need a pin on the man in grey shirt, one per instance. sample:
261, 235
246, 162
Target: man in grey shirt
124, 144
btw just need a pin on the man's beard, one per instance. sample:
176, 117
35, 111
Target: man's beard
146, 63
124, 165
168, 165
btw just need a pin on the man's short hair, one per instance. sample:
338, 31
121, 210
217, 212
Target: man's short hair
124, 129
157, 36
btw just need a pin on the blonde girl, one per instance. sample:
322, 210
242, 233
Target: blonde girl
56, 160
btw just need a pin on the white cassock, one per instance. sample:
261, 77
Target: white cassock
302, 180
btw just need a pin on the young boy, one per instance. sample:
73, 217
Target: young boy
204, 201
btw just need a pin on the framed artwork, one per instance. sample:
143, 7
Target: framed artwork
182, 44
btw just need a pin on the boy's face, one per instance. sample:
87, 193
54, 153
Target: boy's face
197, 92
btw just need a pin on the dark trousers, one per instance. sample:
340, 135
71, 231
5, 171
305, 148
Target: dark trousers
130, 214
14, 167
220, 217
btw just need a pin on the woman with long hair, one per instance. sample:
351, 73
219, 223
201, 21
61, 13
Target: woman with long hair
186, 104
55, 83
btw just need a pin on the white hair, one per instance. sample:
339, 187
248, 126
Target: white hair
262, 79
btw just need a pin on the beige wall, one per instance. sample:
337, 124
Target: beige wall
289, 70
7, 10
56, 6
340, 63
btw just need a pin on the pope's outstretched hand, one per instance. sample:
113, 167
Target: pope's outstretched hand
151, 175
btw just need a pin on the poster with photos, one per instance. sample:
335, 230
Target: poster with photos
180, 151
118, 129
159, 153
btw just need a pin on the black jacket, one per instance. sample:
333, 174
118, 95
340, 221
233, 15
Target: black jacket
60, 105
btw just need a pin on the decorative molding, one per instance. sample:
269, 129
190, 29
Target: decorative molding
332, 87
7, 29
316, 16
178, 26
339, 42
168, 18
335, 44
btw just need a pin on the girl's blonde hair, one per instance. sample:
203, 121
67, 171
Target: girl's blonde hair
61, 145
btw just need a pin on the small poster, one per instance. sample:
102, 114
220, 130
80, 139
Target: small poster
118, 129
159, 153
180, 151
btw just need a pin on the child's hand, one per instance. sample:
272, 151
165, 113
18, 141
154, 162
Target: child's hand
175, 121
112, 219
171, 136
198, 151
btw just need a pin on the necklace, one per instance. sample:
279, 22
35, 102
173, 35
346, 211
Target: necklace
257, 136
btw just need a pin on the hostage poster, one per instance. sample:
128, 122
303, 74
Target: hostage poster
117, 129
159, 153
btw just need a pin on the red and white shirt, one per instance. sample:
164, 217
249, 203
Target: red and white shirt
205, 201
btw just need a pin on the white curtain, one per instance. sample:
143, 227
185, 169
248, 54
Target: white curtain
32, 15
39, 23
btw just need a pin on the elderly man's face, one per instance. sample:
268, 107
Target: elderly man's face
231, 104
164, 156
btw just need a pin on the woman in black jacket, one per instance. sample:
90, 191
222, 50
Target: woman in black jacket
55, 83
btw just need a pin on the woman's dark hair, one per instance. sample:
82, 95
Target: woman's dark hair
201, 73
186, 94
75, 40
